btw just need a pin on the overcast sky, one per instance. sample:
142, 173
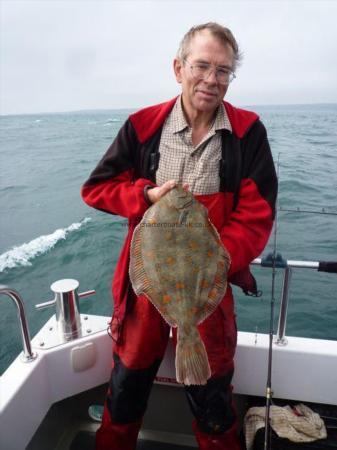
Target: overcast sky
82, 54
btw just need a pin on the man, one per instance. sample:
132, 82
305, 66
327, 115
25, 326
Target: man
222, 155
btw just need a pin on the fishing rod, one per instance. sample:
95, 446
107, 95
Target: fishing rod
269, 392
275, 260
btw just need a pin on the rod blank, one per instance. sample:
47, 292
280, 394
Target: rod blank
320, 266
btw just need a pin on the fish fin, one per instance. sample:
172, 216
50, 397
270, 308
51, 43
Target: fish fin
192, 366
139, 279
219, 287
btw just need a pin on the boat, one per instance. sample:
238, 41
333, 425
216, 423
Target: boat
48, 389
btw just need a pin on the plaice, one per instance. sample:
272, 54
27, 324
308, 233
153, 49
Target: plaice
179, 263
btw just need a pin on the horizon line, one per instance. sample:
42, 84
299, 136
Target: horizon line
137, 108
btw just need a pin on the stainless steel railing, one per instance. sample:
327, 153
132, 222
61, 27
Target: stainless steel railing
287, 266
67, 313
28, 354
62, 294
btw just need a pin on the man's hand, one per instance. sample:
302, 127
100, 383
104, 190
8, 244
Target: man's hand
156, 193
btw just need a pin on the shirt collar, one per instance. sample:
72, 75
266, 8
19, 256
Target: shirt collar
221, 119
179, 123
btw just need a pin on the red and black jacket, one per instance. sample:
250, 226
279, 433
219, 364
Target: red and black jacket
242, 210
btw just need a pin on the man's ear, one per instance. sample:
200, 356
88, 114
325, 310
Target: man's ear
177, 66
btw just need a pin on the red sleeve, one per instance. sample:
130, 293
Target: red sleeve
120, 196
112, 187
247, 231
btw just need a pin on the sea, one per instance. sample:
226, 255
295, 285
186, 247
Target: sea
48, 233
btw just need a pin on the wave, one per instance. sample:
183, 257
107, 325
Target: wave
11, 187
23, 254
111, 121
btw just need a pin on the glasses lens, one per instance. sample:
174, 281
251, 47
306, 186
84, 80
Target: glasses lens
224, 76
202, 71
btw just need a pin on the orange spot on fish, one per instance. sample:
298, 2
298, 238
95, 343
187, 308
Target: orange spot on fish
149, 254
213, 294
152, 220
180, 285
204, 284
193, 245
210, 253
197, 348
170, 260
166, 298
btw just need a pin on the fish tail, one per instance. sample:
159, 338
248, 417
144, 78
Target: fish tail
192, 366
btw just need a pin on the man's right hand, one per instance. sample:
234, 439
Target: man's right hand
156, 193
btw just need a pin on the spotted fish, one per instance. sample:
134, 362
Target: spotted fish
179, 263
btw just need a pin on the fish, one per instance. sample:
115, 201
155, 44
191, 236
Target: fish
177, 260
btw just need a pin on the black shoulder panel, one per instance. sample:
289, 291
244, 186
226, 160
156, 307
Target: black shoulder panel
119, 157
258, 163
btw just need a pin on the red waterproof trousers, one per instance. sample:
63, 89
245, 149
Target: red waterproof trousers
137, 354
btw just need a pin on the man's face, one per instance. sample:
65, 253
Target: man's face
203, 95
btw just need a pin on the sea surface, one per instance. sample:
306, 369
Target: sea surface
48, 233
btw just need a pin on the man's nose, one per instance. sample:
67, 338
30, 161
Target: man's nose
211, 77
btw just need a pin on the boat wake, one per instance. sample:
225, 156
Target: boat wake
23, 254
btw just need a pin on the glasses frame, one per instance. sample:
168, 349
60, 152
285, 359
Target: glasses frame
212, 68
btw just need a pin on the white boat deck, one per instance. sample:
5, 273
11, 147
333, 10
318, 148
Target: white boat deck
304, 369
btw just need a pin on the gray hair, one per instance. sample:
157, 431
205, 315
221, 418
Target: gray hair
224, 35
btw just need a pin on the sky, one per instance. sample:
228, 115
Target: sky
66, 55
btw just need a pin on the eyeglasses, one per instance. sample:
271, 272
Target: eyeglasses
202, 71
